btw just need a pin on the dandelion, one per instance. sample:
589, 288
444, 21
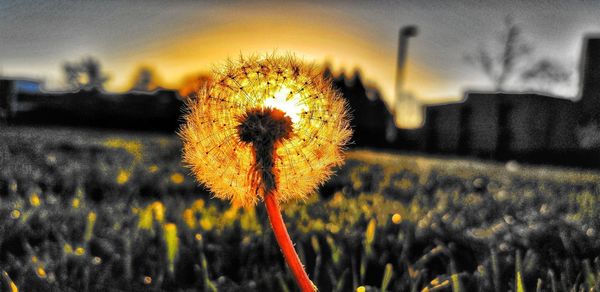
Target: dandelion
270, 129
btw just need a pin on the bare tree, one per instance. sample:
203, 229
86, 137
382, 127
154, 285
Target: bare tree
500, 62
86, 74
546, 75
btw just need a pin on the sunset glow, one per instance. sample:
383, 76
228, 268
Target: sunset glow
288, 102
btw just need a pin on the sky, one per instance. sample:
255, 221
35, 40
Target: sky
184, 38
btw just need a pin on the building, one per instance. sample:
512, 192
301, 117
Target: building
516, 125
499, 125
10, 88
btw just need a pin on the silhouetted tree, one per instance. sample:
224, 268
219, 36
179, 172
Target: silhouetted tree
86, 74
145, 80
500, 62
545, 75
72, 76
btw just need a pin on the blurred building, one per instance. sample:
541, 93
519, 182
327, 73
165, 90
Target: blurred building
23, 102
10, 88
516, 125
501, 124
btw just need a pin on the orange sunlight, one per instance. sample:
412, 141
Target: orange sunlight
321, 39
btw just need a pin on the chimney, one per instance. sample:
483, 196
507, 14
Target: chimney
590, 91
405, 33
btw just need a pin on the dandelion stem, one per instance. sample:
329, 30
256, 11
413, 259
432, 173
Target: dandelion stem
286, 245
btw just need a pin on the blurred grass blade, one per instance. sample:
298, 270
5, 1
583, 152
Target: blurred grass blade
518, 273
456, 284
89, 226
282, 284
387, 277
7, 283
367, 248
208, 284
172, 242
590, 278
495, 270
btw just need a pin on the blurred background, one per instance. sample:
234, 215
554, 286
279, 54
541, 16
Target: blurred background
473, 164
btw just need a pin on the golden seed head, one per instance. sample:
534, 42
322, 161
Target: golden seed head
216, 145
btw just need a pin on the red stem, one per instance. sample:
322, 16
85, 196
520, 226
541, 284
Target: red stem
286, 245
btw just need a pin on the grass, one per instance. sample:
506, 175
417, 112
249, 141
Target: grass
99, 211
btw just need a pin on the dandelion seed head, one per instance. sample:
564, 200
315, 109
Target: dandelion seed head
256, 101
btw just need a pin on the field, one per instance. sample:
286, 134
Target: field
85, 210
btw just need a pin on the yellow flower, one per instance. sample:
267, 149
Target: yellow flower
307, 129
79, 251
15, 214
134, 147
41, 272
189, 218
158, 210
34, 200
396, 218
75, 203
153, 168
198, 205
123, 176
177, 178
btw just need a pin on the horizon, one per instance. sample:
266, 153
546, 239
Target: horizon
187, 38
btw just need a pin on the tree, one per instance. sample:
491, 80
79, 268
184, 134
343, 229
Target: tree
145, 80
500, 62
545, 75
85, 74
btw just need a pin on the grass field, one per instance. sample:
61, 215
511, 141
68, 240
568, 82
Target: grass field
102, 211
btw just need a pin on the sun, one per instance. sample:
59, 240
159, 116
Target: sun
288, 102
